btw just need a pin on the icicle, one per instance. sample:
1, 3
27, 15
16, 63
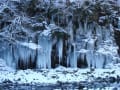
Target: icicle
73, 57
100, 59
68, 55
119, 22
6, 53
89, 58
60, 49
9, 57
70, 31
96, 59
52, 20
85, 26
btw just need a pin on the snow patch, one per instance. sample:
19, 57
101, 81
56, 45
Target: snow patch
31, 45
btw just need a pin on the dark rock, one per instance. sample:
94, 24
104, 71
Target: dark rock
117, 38
112, 79
7, 81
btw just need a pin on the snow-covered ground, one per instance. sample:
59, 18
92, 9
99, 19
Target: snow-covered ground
56, 76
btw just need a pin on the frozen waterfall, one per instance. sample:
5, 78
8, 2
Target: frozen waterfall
43, 35
86, 51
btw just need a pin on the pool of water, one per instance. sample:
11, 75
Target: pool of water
94, 86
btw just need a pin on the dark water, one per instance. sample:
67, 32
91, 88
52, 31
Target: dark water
103, 86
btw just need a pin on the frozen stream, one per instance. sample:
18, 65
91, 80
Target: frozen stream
95, 86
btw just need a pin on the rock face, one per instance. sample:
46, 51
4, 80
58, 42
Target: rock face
38, 34
117, 39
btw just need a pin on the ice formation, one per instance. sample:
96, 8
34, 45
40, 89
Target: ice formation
29, 41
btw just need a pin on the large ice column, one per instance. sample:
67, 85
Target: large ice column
71, 52
100, 60
8, 56
89, 58
6, 52
44, 55
72, 56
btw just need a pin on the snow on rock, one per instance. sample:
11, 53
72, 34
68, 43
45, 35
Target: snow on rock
46, 32
31, 45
